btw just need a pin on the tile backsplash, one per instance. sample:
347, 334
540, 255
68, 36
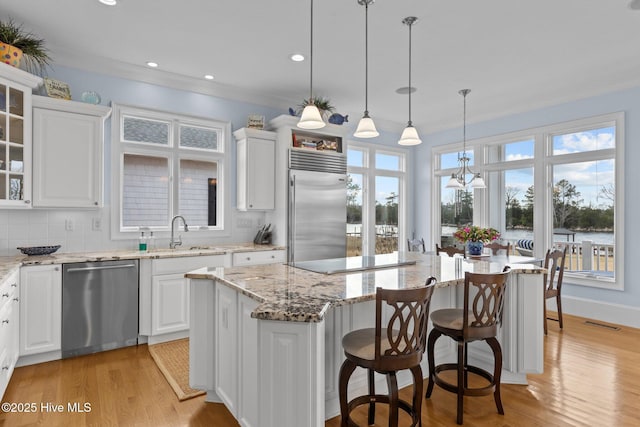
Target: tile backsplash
88, 230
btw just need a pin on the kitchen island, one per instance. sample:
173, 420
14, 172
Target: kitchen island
266, 340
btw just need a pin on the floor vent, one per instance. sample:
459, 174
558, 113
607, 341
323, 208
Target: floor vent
602, 325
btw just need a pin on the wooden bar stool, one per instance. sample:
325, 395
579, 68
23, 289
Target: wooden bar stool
387, 349
554, 263
477, 320
449, 250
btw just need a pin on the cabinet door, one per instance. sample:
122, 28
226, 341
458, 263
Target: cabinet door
40, 309
226, 344
256, 172
170, 304
67, 159
15, 145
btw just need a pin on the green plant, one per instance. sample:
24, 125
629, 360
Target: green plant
323, 104
476, 234
35, 55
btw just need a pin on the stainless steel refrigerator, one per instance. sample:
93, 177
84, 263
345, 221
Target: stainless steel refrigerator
317, 205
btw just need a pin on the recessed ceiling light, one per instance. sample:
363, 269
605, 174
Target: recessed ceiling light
152, 64
208, 77
297, 57
109, 2
405, 90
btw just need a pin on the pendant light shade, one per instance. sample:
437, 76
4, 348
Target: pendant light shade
366, 128
310, 117
410, 134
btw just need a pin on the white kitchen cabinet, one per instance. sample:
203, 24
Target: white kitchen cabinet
258, 257
170, 299
68, 145
9, 328
40, 309
15, 136
164, 295
226, 342
256, 169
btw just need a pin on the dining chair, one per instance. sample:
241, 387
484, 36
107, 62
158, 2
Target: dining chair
449, 250
386, 349
497, 247
416, 245
477, 320
554, 264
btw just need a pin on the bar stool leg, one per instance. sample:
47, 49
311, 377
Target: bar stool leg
345, 373
392, 384
559, 304
433, 336
461, 380
497, 371
417, 394
372, 399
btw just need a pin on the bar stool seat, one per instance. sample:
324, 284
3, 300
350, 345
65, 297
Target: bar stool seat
386, 350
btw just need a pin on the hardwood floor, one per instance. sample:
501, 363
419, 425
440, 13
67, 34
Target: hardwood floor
592, 378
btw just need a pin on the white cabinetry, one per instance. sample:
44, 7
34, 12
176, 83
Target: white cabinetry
256, 169
164, 295
67, 153
40, 309
258, 257
15, 136
9, 329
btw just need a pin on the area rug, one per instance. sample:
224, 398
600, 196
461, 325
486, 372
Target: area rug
172, 359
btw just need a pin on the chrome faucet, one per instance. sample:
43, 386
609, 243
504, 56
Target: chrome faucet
173, 243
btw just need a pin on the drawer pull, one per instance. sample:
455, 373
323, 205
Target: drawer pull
5, 295
14, 285
16, 299
5, 368
5, 321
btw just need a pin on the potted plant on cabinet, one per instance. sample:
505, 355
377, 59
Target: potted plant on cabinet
16, 43
323, 104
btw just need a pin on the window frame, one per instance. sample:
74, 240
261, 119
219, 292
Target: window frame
369, 172
174, 153
543, 162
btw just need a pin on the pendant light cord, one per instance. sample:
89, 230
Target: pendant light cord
410, 123
311, 60
366, 59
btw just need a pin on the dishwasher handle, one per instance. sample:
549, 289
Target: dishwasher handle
104, 267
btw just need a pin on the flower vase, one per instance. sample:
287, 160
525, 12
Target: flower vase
475, 248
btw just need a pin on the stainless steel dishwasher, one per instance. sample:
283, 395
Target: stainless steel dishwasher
99, 306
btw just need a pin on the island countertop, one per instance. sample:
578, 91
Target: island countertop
292, 294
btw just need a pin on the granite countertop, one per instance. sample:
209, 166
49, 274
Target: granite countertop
292, 294
9, 264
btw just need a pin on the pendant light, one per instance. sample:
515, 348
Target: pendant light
310, 117
459, 179
409, 134
366, 128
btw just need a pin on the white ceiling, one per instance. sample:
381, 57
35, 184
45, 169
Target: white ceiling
514, 55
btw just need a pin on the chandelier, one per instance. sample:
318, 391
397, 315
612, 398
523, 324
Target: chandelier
459, 179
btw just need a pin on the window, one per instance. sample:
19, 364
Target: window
169, 165
555, 186
375, 198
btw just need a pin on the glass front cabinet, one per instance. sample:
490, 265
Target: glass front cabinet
15, 136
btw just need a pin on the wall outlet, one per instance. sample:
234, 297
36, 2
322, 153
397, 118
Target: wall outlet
96, 224
68, 224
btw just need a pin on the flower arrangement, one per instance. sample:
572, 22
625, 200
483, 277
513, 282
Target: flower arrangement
476, 234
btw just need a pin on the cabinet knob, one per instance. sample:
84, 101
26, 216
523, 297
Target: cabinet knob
273, 256
27, 201
56, 269
95, 203
248, 258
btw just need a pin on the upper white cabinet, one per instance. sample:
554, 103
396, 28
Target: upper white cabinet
15, 136
68, 140
256, 169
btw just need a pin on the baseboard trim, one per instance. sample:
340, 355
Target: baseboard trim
598, 310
